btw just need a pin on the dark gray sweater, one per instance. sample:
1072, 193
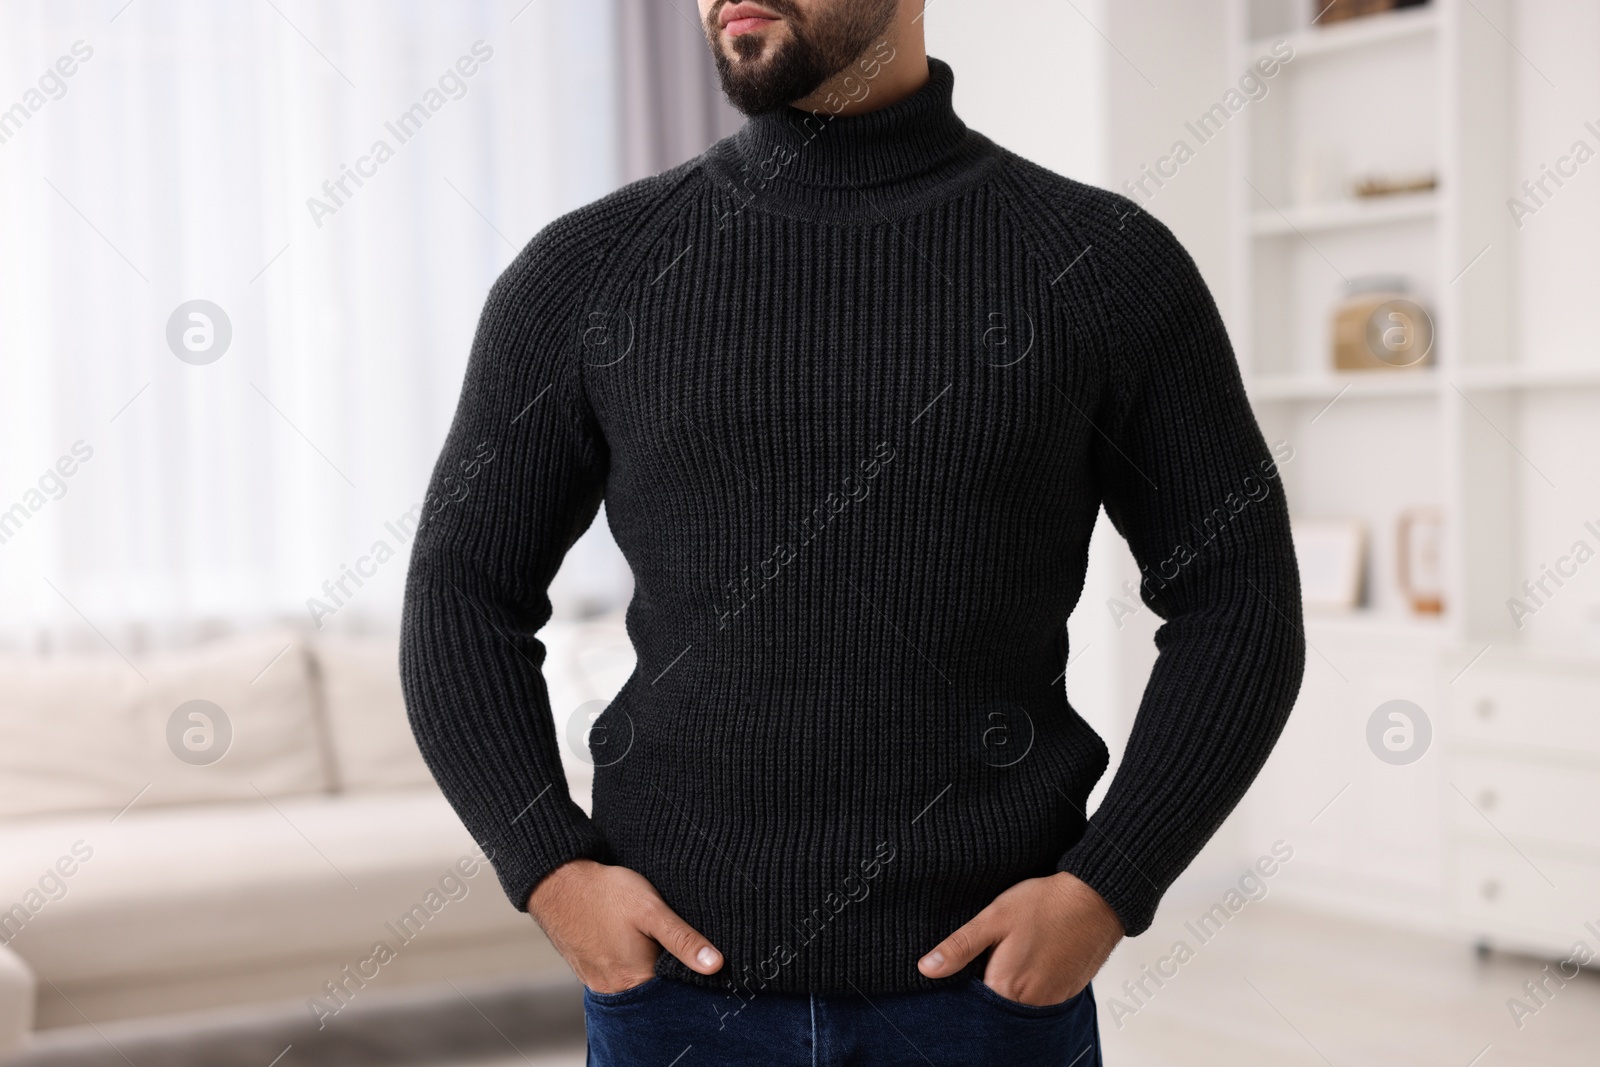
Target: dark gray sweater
853, 391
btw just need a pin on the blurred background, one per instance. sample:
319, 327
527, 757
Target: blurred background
243, 247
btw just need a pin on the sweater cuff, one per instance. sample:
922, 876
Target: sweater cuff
524, 853
1100, 864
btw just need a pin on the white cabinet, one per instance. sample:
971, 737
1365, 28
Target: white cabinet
1492, 835
1538, 705
1525, 900
1366, 834
1522, 769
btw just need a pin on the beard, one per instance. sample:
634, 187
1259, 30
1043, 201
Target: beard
770, 74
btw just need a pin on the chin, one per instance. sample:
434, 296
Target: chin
751, 49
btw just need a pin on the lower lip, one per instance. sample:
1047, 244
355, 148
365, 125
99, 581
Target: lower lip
739, 27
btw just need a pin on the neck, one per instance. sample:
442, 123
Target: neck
893, 69
820, 164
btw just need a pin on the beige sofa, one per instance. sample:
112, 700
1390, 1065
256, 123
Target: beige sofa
141, 875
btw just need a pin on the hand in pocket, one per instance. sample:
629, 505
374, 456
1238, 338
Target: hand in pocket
610, 925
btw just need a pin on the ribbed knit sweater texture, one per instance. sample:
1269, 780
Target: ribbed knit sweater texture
853, 391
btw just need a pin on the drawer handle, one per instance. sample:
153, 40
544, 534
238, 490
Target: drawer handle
1491, 889
1485, 709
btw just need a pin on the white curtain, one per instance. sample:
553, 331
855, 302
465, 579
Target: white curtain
185, 158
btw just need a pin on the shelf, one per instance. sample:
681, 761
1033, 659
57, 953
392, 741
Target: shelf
1513, 377
1357, 33
1384, 383
1346, 215
1404, 382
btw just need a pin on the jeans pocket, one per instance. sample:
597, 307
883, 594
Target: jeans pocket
623, 996
1016, 1007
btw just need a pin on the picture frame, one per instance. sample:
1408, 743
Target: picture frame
1332, 554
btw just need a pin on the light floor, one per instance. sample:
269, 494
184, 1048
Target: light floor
1288, 988
1280, 987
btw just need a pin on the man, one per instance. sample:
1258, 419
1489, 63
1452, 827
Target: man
853, 385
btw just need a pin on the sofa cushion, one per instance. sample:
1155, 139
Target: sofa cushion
172, 890
373, 747
87, 732
586, 662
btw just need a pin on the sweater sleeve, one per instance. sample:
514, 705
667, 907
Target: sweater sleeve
1187, 479
520, 477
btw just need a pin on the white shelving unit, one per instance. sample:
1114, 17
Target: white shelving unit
1345, 215
1515, 378
1417, 90
1336, 386
1310, 42
1454, 838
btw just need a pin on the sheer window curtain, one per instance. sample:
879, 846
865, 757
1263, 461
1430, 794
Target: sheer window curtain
344, 182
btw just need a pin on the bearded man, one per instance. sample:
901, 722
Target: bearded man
854, 386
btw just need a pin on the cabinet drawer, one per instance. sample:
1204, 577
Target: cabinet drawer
1528, 708
1524, 799
1497, 889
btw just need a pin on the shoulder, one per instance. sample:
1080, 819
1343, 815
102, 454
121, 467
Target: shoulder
1124, 245
568, 252
1065, 199
1124, 273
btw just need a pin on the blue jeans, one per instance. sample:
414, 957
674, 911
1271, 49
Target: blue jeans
668, 1023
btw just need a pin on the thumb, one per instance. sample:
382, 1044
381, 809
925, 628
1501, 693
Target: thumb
689, 945
961, 947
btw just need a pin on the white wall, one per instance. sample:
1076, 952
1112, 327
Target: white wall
1169, 65
1558, 258
1029, 74
1556, 90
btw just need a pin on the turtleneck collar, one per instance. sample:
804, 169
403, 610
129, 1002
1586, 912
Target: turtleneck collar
796, 162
